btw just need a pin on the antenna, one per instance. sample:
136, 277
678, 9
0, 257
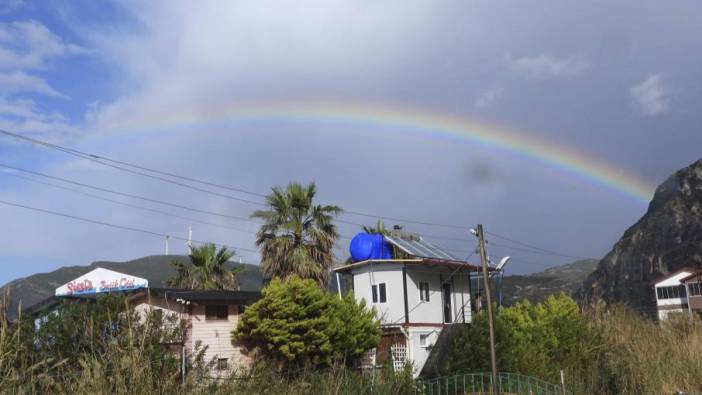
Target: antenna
189, 243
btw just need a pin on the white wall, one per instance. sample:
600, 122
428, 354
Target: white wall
418, 353
433, 311
393, 311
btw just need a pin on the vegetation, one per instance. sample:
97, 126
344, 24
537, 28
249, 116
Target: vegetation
602, 350
297, 236
379, 228
106, 347
89, 347
206, 270
296, 324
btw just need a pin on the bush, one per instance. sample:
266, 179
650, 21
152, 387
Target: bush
536, 340
297, 324
89, 347
471, 348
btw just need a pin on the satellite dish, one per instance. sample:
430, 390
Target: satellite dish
502, 263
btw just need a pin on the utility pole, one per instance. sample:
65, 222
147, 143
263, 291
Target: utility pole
486, 282
167, 238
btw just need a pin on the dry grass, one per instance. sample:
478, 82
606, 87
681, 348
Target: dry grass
640, 356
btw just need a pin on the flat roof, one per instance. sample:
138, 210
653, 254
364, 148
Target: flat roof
429, 262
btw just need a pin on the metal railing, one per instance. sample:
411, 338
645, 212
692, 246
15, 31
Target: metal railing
481, 383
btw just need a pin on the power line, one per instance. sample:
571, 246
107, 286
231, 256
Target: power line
102, 160
118, 165
122, 227
129, 195
144, 198
533, 246
537, 252
165, 213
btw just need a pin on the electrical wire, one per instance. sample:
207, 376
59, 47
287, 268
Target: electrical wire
119, 165
122, 227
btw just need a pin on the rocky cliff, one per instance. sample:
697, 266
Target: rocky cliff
666, 238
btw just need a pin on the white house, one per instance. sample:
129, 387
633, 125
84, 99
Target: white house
417, 290
671, 292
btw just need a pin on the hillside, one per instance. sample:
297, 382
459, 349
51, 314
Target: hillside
666, 238
157, 269
537, 286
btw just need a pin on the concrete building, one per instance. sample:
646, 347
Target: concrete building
210, 316
417, 289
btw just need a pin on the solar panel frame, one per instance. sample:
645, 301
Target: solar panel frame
420, 248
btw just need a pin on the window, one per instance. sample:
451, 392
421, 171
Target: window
423, 339
694, 289
673, 292
379, 290
216, 312
423, 291
222, 363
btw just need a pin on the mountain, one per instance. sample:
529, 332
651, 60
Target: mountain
537, 286
158, 269
668, 237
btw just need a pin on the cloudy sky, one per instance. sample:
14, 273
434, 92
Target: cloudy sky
151, 83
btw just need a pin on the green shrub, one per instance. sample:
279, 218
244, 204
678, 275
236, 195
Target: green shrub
297, 324
537, 340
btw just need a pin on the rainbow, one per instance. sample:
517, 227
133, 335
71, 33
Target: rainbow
562, 158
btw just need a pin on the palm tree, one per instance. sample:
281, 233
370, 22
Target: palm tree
379, 228
206, 269
297, 236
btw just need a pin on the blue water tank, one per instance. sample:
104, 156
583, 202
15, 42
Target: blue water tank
365, 246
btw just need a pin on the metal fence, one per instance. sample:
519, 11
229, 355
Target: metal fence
481, 383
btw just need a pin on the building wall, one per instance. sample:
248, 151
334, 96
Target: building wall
217, 335
393, 311
419, 353
432, 311
695, 302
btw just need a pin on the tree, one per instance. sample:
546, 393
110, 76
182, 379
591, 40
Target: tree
537, 340
206, 269
471, 350
297, 324
378, 229
297, 236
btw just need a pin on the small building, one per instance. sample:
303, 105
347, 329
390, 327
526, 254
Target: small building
417, 289
210, 315
694, 297
672, 293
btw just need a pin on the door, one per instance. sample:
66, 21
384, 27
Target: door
447, 302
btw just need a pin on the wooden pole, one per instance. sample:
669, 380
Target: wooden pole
488, 299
